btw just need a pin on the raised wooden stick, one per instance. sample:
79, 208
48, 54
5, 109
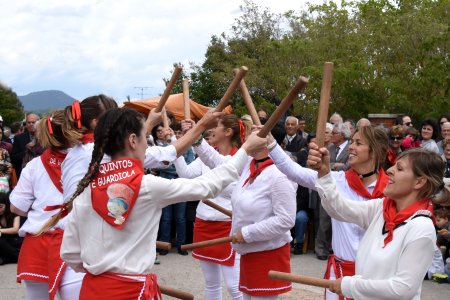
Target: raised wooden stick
175, 293
218, 207
163, 245
213, 242
324, 103
248, 102
284, 105
165, 121
233, 86
300, 279
169, 87
186, 101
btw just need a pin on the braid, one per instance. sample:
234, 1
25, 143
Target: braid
102, 137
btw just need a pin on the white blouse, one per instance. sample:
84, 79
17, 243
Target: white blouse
91, 243
393, 272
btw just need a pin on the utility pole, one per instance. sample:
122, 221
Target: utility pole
142, 88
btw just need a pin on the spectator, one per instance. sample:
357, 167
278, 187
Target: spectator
293, 142
16, 128
25, 144
301, 126
429, 132
6, 134
351, 125
405, 121
363, 122
4, 144
445, 132
446, 156
336, 118
411, 139
262, 114
396, 135
339, 147
10, 241
443, 229
444, 119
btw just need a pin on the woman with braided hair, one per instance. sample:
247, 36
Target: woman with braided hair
220, 260
112, 228
36, 196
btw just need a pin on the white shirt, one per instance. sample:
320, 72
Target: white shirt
205, 212
393, 272
341, 147
91, 243
346, 236
77, 161
35, 191
264, 210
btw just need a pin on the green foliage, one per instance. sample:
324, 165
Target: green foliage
389, 57
11, 108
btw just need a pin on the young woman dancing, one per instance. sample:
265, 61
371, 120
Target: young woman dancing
111, 231
219, 261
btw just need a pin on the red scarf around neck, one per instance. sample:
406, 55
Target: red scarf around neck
115, 188
355, 183
394, 218
233, 150
391, 156
255, 171
52, 160
87, 138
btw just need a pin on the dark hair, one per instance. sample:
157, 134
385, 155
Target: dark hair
9, 216
278, 132
310, 136
434, 124
445, 116
176, 126
154, 130
16, 127
112, 129
428, 164
91, 108
442, 213
232, 121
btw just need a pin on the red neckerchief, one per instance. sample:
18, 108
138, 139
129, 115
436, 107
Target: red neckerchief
52, 160
115, 189
234, 150
391, 156
355, 183
393, 218
254, 172
87, 138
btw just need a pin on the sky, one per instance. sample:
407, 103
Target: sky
87, 47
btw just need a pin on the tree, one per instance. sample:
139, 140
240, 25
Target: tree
11, 109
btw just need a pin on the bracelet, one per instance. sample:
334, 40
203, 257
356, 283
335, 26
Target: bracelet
272, 145
198, 141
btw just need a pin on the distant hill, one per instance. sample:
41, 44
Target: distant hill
44, 101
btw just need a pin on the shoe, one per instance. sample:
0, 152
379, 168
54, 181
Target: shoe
182, 252
298, 249
163, 252
322, 257
157, 261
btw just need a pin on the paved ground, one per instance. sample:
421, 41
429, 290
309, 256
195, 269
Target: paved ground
184, 273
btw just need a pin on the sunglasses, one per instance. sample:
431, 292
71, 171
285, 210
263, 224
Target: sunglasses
408, 123
442, 123
396, 138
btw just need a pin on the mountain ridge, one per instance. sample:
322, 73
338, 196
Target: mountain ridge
43, 101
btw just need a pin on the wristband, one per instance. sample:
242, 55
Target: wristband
272, 145
198, 141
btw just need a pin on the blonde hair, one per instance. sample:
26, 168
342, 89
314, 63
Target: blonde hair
49, 131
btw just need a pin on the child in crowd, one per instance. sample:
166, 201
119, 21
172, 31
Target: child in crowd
10, 242
443, 232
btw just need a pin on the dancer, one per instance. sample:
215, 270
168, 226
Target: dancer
111, 231
363, 181
219, 261
264, 207
38, 191
398, 246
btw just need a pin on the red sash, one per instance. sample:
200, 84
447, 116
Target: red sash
393, 218
87, 138
255, 171
115, 189
340, 267
255, 267
355, 183
207, 230
52, 160
39, 260
114, 286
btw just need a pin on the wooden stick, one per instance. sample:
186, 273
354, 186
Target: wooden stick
165, 121
169, 87
218, 207
324, 103
163, 245
284, 105
213, 242
174, 292
248, 102
233, 86
186, 101
300, 279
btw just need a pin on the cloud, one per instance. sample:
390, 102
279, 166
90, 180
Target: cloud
86, 47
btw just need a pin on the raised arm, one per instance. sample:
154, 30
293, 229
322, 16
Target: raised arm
184, 170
